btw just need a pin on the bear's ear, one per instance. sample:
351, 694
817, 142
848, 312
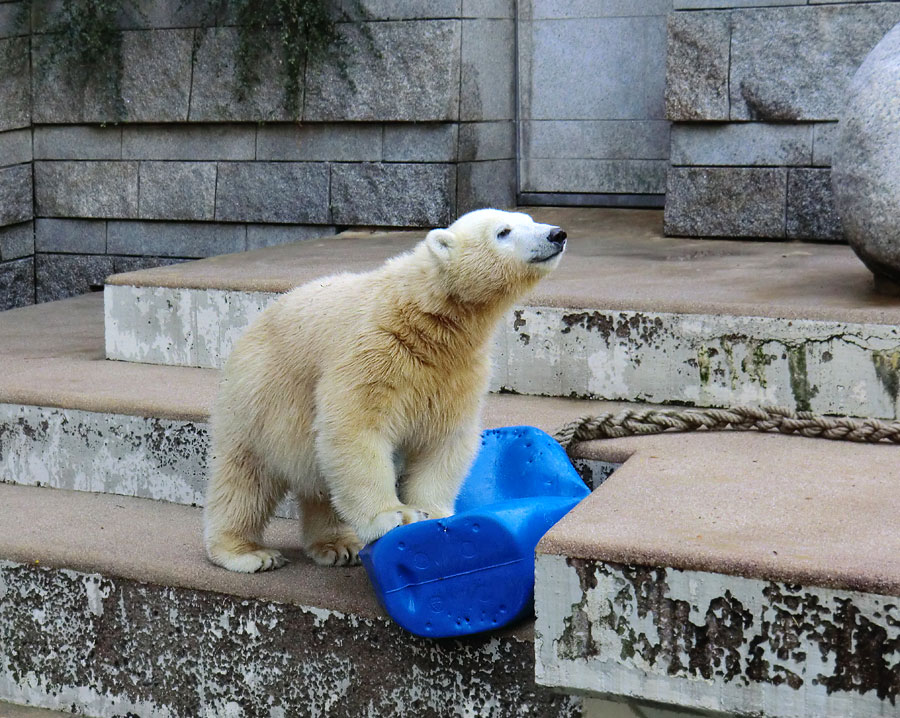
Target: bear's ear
440, 242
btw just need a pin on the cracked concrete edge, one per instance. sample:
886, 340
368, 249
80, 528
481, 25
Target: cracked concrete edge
157, 457
827, 367
52, 356
712, 642
618, 259
12, 710
107, 646
803, 511
144, 457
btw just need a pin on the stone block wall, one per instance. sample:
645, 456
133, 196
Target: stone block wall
754, 89
16, 226
592, 119
419, 128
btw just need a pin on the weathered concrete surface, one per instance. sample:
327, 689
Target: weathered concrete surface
722, 643
69, 419
641, 270
710, 360
684, 321
197, 328
12, 710
110, 647
756, 574
52, 356
766, 506
704, 360
108, 605
111, 453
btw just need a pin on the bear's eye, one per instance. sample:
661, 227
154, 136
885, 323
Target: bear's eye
504, 232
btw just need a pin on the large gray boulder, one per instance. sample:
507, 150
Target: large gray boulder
866, 169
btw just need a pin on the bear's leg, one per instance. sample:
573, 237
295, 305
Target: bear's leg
435, 473
358, 467
240, 500
326, 539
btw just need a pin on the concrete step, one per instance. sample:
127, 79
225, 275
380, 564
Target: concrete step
109, 608
11, 710
70, 419
746, 573
629, 315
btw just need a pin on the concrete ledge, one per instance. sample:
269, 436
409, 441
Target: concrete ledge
11, 710
69, 419
743, 573
765, 506
709, 323
111, 453
709, 360
711, 642
52, 356
107, 606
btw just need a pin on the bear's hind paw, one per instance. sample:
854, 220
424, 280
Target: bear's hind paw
256, 561
335, 552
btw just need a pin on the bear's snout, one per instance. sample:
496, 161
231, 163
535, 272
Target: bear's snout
557, 236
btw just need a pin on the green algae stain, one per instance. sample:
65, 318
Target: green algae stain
728, 349
703, 364
887, 365
755, 363
800, 388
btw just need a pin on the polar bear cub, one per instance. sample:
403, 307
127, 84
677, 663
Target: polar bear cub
352, 387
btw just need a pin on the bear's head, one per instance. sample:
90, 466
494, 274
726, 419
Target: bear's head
489, 255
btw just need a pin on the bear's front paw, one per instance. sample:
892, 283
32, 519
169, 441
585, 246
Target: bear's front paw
387, 520
438, 512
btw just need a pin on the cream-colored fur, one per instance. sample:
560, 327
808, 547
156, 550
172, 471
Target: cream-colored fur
350, 380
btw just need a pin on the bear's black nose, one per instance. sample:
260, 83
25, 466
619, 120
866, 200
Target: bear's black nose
557, 236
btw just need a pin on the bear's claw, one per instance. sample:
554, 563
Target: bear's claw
387, 520
335, 552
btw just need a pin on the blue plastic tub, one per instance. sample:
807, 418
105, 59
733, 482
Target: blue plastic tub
474, 571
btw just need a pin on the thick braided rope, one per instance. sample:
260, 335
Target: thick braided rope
631, 422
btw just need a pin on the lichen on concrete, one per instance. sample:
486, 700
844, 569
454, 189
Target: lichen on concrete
146, 457
702, 360
829, 367
114, 453
716, 642
108, 647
